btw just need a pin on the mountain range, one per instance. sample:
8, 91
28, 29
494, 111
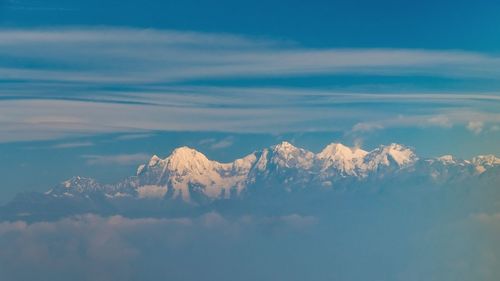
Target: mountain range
188, 178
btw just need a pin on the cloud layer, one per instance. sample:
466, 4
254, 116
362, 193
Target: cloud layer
241, 110
116, 248
291, 247
81, 81
115, 55
118, 159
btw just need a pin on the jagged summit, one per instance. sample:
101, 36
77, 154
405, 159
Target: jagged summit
154, 160
339, 158
484, 162
77, 184
446, 159
386, 154
284, 146
340, 150
186, 158
185, 152
288, 156
488, 160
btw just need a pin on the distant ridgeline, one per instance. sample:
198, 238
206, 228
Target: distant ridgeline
281, 176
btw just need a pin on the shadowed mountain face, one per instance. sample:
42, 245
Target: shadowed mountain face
282, 176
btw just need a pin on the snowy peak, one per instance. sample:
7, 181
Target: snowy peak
185, 152
342, 158
284, 148
447, 159
337, 159
187, 171
483, 162
486, 160
77, 185
78, 181
400, 154
339, 151
185, 159
154, 161
288, 156
388, 155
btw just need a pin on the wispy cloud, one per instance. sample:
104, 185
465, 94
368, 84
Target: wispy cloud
121, 55
126, 137
73, 144
445, 119
218, 143
475, 126
240, 110
84, 81
117, 159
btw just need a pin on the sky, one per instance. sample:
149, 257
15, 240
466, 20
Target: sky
95, 88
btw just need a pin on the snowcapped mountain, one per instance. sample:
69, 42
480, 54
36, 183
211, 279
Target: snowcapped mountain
188, 171
337, 158
189, 175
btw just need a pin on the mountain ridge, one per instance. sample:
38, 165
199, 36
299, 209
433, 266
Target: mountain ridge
186, 170
282, 175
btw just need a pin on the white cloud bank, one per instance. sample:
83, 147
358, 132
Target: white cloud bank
95, 248
211, 246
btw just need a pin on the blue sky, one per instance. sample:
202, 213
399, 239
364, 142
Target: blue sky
360, 23
78, 77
